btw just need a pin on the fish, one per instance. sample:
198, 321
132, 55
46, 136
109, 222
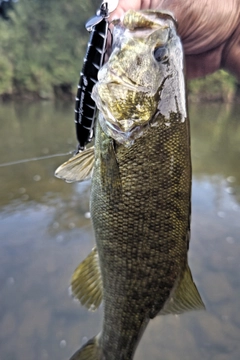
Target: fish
140, 200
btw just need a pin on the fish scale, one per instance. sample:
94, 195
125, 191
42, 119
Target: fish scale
155, 243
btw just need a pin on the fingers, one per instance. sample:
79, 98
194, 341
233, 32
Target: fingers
209, 29
123, 6
146, 4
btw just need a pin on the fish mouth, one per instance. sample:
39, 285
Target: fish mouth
123, 136
124, 127
122, 79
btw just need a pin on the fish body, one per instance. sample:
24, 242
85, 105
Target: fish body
141, 188
141, 221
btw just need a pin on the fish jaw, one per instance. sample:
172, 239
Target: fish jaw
133, 87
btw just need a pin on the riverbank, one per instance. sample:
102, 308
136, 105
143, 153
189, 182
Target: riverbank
48, 69
218, 87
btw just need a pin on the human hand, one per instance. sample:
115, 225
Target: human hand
209, 29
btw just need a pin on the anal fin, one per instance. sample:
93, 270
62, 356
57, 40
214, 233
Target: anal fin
86, 282
184, 298
89, 351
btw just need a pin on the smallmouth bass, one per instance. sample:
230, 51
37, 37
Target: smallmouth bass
141, 188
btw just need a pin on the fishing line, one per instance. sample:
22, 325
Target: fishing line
35, 159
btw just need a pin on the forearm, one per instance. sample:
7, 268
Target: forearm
231, 51
209, 29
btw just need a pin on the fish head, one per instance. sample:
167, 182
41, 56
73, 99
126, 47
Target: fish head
130, 85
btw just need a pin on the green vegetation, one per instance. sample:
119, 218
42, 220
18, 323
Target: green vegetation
219, 86
42, 49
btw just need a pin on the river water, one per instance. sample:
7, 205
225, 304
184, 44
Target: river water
45, 231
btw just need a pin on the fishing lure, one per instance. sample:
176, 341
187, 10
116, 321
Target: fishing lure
85, 107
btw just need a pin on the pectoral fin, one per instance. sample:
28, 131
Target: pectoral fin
185, 297
86, 282
78, 168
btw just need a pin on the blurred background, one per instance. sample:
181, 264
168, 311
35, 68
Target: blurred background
45, 226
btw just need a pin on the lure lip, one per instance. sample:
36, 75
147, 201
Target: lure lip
102, 13
89, 26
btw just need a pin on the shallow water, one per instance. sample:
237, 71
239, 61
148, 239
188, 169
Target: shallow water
45, 231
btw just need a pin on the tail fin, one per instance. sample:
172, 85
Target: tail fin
89, 351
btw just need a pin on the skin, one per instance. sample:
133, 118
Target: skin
209, 29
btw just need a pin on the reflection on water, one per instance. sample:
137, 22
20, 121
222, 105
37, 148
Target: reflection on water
46, 232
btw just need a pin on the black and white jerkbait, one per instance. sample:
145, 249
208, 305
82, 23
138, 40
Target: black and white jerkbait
85, 107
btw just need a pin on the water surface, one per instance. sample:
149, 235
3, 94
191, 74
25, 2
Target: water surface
45, 231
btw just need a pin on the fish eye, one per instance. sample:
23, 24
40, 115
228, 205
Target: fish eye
160, 53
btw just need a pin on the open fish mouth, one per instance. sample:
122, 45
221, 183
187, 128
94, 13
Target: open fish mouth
125, 81
123, 104
124, 132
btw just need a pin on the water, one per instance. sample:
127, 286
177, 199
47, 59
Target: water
45, 231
